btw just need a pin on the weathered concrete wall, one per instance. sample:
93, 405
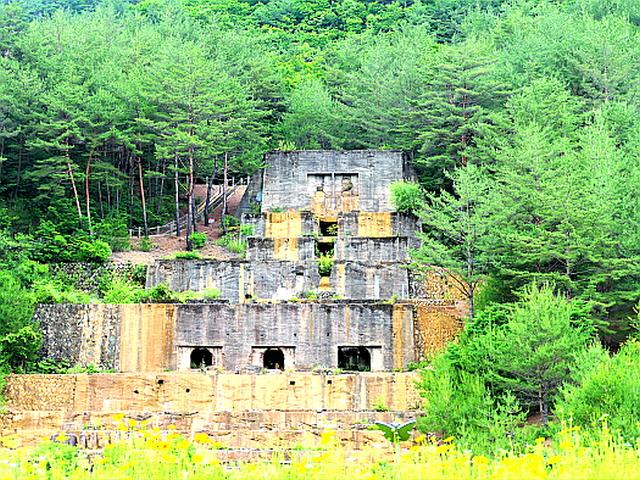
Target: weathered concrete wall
439, 288
315, 330
357, 249
377, 224
239, 411
370, 280
150, 336
365, 249
350, 224
198, 275
237, 280
434, 327
119, 337
147, 337
81, 334
292, 180
292, 249
252, 197
190, 392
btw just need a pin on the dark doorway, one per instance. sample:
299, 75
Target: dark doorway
273, 359
201, 358
328, 228
357, 359
324, 248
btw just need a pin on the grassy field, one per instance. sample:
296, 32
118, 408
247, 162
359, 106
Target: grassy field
150, 454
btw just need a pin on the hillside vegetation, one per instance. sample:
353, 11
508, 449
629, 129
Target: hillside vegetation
521, 118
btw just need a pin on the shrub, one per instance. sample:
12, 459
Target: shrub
53, 291
310, 295
16, 303
325, 265
246, 230
20, 347
198, 239
211, 293
236, 246
145, 245
608, 390
406, 197
114, 231
161, 293
93, 252
332, 230
458, 404
536, 349
183, 297
231, 243
379, 405
187, 256
229, 221
121, 291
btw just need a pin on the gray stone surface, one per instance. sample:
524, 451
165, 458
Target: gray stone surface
262, 249
288, 182
237, 280
363, 280
309, 332
316, 330
69, 333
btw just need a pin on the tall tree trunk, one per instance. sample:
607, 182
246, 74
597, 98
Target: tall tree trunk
190, 202
87, 195
177, 195
74, 188
130, 168
161, 192
207, 202
225, 171
194, 213
142, 197
100, 200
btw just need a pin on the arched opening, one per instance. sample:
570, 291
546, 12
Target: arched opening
201, 358
356, 359
273, 359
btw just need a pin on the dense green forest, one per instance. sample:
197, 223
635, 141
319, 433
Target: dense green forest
522, 119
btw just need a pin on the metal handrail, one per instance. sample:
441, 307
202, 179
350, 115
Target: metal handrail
169, 228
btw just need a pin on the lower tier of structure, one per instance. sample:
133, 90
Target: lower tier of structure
249, 337
237, 411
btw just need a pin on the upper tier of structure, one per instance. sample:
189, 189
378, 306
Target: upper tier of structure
327, 182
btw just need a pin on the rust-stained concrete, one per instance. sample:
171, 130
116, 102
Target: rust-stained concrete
239, 411
150, 336
189, 392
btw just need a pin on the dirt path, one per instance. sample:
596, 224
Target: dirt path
168, 245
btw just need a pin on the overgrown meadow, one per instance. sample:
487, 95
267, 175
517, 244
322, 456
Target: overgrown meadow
151, 455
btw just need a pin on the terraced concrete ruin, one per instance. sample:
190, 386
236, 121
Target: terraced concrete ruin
324, 288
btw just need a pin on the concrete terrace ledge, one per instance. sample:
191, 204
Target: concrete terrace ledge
184, 393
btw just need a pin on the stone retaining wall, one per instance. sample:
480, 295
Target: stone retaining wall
182, 393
